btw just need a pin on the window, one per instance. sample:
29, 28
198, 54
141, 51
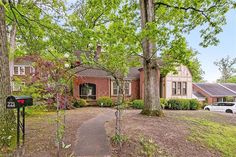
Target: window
127, 88
220, 100
19, 70
184, 88
229, 104
16, 86
87, 91
173, 88
179, 88
115, 88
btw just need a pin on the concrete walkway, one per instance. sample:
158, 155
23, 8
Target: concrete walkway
92, 138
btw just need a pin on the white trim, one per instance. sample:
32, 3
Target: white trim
18, 69
226, 88
130, 88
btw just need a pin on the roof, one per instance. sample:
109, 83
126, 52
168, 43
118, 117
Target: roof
199, 96
215, 89
231, 86
96, 72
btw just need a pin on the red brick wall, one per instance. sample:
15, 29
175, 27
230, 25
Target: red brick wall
135, 89
102, 85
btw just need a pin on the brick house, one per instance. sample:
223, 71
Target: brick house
93, 83
211, 93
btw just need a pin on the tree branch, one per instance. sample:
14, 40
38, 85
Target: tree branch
203, 12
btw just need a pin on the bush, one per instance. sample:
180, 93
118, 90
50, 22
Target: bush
80, 103
194, 104
163, 102
183, 104
138, 104
105, 101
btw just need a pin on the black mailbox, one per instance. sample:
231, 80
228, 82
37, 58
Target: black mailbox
18, 101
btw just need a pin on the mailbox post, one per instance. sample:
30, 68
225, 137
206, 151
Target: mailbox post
18, 102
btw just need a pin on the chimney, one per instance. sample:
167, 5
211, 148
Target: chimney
98, 51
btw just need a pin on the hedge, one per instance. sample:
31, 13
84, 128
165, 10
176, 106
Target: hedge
183, 104
105, 101
172, 104
137, 104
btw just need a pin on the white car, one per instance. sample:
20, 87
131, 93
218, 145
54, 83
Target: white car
228, 107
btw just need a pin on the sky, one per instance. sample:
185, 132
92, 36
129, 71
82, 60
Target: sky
226, 47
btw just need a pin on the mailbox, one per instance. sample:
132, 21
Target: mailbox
18, 101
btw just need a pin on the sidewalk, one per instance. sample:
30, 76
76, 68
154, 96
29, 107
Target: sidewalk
92, 139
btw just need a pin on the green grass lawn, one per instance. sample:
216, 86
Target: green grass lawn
218, 136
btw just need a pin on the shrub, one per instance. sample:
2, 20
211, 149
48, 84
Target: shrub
194, 104
183, 104
174, 104
138, 104
229, 99
105, 101
163, 102
80, 103
117, 139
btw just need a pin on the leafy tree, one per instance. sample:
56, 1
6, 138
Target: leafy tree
171, 20
227, 68
7, 120
232, 79
29, 24
160, 33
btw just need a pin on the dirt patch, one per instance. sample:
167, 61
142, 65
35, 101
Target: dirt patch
171, 133
41, 132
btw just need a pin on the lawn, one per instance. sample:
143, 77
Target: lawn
41, 130
179, 133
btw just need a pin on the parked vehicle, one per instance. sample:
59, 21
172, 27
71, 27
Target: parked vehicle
228, 107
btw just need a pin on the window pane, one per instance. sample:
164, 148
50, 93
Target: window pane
16, 70
184, 84
179, 88
173, 88
115, 92
126, 91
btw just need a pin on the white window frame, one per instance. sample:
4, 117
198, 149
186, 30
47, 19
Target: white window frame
18, 69
112, 88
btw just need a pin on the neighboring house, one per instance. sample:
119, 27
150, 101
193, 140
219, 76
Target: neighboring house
22, 70
93, 83
214, 92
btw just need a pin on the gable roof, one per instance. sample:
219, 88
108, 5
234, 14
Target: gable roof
215, 89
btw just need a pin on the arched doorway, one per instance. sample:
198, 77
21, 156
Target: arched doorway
87, 91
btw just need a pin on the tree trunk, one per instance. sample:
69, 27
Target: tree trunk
151, 67
12, 48
7, 118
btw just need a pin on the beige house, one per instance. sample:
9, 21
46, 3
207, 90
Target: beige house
177, 85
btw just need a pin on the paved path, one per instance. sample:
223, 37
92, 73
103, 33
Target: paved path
92, 138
